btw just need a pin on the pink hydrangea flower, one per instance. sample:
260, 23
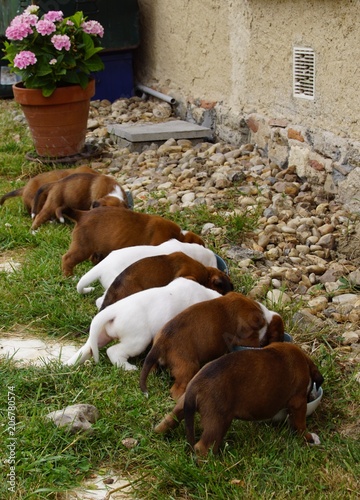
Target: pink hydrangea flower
18, 31
61, 42
54, 15
53, 61
93, 28
26, 18
24, 59
45, 27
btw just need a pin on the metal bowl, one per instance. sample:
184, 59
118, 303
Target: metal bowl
221, 264
311, 407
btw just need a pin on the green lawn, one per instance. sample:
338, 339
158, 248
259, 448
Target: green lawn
258, 460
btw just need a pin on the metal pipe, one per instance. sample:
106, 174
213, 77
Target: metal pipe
147, 90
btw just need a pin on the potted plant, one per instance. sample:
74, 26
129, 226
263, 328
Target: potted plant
55, 58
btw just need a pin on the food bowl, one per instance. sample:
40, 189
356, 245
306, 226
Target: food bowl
130, 199
221, 264
311, 406
287, 337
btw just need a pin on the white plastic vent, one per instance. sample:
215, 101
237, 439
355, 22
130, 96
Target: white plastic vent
304, 72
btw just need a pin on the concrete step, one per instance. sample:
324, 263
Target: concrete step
138, 135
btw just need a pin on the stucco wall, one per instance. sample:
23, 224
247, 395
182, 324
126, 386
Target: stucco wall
231, 62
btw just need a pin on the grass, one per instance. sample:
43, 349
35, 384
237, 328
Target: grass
258, 460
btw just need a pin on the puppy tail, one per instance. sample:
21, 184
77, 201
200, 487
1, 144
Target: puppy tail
150, 361
39, 199
73, 214
98, 330
190, 408
12, 194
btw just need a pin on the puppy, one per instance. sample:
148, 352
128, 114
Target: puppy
79, 191
28, 191
206, 331
248, 385
135, 320
99, 231
118, 260
159, 271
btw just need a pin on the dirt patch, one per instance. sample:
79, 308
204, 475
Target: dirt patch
11, 260
349, 245
351, 430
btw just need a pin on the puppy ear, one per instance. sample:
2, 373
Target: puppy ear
275, 330
190, 237
221, 283
315, 374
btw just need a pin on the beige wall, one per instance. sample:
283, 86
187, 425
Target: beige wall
239, 54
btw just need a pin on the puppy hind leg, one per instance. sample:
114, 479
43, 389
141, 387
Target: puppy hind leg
182, 374
119, 357
172, 419
59, 214
43, 216
215, 428
73, 257
99, 302
297, 419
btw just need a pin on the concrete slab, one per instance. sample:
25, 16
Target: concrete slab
27, 349
150, 132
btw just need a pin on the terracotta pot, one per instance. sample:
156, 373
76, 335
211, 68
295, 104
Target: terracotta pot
58, 123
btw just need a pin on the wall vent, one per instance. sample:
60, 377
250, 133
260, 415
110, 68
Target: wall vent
304, 73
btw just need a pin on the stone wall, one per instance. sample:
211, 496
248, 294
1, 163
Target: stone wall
230, 66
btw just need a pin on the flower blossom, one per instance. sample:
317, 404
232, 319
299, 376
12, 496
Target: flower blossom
93, 28
31, 9
61, 42
26, 18
53, 61
18, 31
24, 59
45, 27
53, 16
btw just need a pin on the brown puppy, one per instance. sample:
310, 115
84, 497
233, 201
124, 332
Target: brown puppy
206, 331
79, 191
248, 385
159, 270
103, 229
28, 191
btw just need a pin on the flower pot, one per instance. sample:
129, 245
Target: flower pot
58, 123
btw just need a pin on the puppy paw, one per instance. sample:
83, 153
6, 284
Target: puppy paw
316, 439
87, 289
124, 365
312, 438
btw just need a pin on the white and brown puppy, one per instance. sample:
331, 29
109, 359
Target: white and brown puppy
100, 231
118, 260
28, 191
79, 191
135, 320
206, 331
247, 385
160, 270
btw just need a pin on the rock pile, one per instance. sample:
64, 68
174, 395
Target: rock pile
305, 245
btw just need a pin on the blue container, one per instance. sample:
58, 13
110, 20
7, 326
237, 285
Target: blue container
116, 80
